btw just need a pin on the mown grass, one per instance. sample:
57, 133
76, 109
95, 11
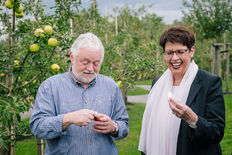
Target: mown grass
129, 145
137, 91
226, 142
26, 147
145, 82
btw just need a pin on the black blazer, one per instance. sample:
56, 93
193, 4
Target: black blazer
206, 100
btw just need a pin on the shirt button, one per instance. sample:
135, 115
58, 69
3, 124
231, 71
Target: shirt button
85, 89
106, 141
90, 141
88, 128
86, 102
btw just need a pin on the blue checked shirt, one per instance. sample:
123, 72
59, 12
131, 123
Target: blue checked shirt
61, 94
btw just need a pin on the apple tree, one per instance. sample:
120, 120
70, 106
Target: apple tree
211, 17
32, 50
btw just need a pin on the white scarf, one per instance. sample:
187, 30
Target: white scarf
160, 127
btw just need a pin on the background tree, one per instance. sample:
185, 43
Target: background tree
211, 17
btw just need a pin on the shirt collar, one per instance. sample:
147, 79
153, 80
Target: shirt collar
92, 83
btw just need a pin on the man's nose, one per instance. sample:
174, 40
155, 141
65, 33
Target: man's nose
90, 67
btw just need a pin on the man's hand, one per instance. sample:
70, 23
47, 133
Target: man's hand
105, 125
80, 118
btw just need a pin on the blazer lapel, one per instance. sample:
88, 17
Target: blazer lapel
195, 87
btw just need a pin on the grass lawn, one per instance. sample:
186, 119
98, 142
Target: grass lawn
129, 145
26, 147
145, 82
137, 91
226, 143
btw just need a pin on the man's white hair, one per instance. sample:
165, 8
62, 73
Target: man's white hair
89, 41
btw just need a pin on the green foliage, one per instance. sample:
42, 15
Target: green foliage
212, 17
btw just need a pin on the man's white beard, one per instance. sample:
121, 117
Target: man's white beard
80, 76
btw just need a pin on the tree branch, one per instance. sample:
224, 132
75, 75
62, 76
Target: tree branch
3, 85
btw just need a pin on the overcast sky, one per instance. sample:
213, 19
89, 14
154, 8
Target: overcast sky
169, 9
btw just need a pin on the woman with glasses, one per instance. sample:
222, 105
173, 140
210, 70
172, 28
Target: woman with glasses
192, 120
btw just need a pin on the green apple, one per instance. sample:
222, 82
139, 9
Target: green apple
26, 85
8, 4
39, 32
19, 15
120, 84
52, 42
34, 81
48, 30
34, 47
57, 56
55, 67
12, 1
16, 65
19, 9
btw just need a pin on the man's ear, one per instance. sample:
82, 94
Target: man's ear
71, 57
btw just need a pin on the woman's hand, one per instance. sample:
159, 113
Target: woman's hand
183, 111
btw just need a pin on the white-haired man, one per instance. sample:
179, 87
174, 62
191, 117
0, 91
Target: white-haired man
67, 104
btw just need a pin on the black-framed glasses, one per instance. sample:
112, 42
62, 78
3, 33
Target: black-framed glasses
170, 53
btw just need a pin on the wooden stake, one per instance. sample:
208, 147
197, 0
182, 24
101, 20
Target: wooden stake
94, 15
71, 22
116, 25
40, 147
106, 24
10, 81
227, 67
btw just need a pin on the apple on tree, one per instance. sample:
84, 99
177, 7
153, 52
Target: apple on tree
120, 84
34, 47
26, 85
16, 65
12, 1
52, 42
39, 32
57, 56
19, 9
48, 30
2, 74
19, 15
8, 4
55, 67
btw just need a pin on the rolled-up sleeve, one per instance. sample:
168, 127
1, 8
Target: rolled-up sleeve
44, 122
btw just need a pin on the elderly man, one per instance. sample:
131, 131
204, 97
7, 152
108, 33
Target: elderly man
80, 111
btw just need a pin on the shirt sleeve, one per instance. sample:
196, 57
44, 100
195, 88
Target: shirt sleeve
210, 128
44, 122
120, 116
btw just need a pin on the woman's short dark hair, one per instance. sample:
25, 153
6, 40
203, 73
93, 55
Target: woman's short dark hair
177, 34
